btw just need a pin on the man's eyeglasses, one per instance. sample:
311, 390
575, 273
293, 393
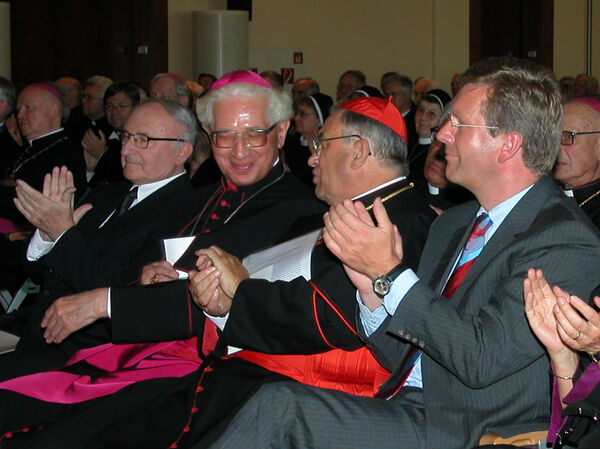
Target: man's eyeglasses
141, 141
317, 142
120, 107
252, 138
456, 124
568, 137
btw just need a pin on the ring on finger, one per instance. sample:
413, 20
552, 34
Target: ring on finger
577, 336
154, 279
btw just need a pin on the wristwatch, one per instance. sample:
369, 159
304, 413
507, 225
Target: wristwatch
383, 282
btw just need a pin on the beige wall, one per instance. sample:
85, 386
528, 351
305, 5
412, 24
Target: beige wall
570, 38
415, 38
373, 36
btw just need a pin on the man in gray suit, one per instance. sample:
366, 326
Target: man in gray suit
453, 334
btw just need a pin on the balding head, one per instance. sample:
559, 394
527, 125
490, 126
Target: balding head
39, 110
579, 163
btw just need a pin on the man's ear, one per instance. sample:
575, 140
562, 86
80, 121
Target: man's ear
282, 129
56, 110
360, 153
513, 142
184, 152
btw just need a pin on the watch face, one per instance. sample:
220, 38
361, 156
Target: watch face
381, 285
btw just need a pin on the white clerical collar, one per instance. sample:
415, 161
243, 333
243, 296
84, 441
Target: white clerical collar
44, 135
113, 136
433, 190
380, 186
424, 140
405, 113
568, 193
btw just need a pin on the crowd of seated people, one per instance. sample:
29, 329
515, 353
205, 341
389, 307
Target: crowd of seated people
422, 307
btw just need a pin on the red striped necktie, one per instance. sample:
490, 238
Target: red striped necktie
472, 249
470, 252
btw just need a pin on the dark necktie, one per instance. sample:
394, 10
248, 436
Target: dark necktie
127, 201
472, 249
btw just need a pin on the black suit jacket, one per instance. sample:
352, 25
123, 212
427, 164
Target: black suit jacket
9, 151
588, 196
88, 257
411, 130
46, 153
109, 168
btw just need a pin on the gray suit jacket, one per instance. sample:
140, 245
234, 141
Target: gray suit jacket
483, 370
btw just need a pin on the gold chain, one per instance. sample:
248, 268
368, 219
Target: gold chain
592, 196
397, 192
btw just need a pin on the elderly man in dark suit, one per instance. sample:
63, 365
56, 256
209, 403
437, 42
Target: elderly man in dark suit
93, 245
453, 333
577, 166
40, 109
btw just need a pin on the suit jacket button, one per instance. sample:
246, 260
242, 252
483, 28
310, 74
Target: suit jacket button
414, 340
421, 344
401, 332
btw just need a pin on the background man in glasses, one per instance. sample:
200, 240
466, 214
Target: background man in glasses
172, 87
577, 166
92, 104
103, 155
453, 334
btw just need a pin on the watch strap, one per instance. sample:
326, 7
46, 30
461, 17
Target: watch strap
396, 271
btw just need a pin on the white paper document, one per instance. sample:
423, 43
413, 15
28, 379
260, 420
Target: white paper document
175, 248
283, 262
8, 342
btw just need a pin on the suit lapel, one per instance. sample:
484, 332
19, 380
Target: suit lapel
518, 220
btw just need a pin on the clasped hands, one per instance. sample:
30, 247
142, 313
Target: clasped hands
51, 211
563, 323
212, 285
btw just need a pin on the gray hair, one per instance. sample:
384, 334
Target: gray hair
358, 75
98, 81
181, 89
179, 114
8, 94
313, 85
279, 103
385, 144
522, 97
405, 81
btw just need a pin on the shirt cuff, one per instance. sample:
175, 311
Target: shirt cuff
220, 321
108, 300
38, 247
372, 320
